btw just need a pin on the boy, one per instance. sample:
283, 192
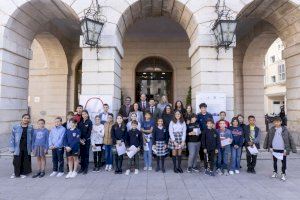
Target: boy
210, 141
56, 138
279, 140
225, 149
222, 116
103, 115
78, 114
134, 137
252, 137
203, 116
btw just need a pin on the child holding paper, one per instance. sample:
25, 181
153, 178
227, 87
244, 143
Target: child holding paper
279, 142
97, 142
210, 141
225, 150
193, 141
252, 138
134, 138
118, 132
160, 142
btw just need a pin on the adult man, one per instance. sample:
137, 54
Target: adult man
143, 104
125, 109
103, 115
155, 112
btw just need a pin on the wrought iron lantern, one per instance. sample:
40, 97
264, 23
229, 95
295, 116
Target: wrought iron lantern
92, 24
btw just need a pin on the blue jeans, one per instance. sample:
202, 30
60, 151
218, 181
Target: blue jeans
148, 155
223, 155
108, 155
236, 158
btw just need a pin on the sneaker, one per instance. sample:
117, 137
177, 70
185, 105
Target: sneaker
12, 176
253, 171
206, 172
60, 174
150, 168
109, 168
127, 172
145, 168
219, 172
53, 174
283, 177
69, 175
236, 171
189, 170
23, 176
211, 173
95, 169
226, 173
136, 171
194, 169
231, 172
106, 168
274, 175
73, 175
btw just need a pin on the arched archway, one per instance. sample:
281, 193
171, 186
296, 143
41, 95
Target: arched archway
154, 77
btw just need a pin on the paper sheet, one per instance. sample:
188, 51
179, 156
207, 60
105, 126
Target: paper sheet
197, 131
97, 148
131, 151
277, 155
226, 142
253, 150
121, 149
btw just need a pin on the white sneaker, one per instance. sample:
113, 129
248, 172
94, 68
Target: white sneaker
12, 176
23, 176
231, 172
145, 168
106, 167
219, 172
237, 171
60, 174
283, 177
274, 175
136, 171
127, 172
53, 174
109, 168
73, 175
226, 173
150, 168
69, 175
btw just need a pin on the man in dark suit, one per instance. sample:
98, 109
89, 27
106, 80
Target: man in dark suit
125, 109
143, 104
155, 112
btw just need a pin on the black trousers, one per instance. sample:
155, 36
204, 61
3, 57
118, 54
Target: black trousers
283, 168
84, 155
58, 159
251, 160
97, 158
209, 159
119, 162
22, 164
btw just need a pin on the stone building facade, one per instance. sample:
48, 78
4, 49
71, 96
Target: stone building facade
41, 53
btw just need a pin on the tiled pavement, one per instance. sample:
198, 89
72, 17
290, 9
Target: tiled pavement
153, 185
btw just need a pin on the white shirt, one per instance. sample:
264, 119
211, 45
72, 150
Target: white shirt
177, 127
97, 134
129, 127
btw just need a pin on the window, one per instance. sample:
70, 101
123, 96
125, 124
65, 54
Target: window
272, 59
281, 72
273, 79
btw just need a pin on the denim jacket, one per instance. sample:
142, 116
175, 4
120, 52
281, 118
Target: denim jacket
15, 137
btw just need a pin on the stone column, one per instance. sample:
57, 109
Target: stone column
213, 73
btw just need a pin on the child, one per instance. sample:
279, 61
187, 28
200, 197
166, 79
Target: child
210, 141
133, 116
118, 133
103, 115
97, 142
147, 129
70, 116
225, 150
71, 143
177, 131
40, 147
108, 142
56, 138
252, 137
236, 146
160, 141
222, 116
279, 140
134, 137
193, 141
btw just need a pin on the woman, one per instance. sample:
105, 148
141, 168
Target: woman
179, 107
139, 114
177, 132
163, 103
20, 145
167, 116
188, 115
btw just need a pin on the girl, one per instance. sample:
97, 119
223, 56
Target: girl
139, 114
40, 145
179, 107
118, 132
160, 141
70, 116
188, 114
85, 126
133, 117
20, 145
177, 132
237, 144
97, 142
147, 129
167, 116
71, 143
108, 142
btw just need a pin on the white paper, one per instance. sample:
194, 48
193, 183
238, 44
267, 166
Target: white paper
253, 150
154, 149
146, 147
131, 151
277, 155
226, 142
97, 148
121, 149
197, 131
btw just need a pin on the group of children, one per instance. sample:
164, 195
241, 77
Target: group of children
221, 144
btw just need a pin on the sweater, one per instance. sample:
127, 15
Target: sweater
210, 139
85, 128
237, 136
134, 137
97, 134
160, 134
40, 138
118, 133
190, 128
72, 139
56, 136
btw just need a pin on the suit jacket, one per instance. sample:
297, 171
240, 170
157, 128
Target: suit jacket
156, 114
123, 112
141, 107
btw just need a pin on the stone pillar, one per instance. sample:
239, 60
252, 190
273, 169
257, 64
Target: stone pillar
213, 73
102, 77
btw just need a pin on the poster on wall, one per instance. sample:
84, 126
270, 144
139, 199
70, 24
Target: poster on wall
216, 102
